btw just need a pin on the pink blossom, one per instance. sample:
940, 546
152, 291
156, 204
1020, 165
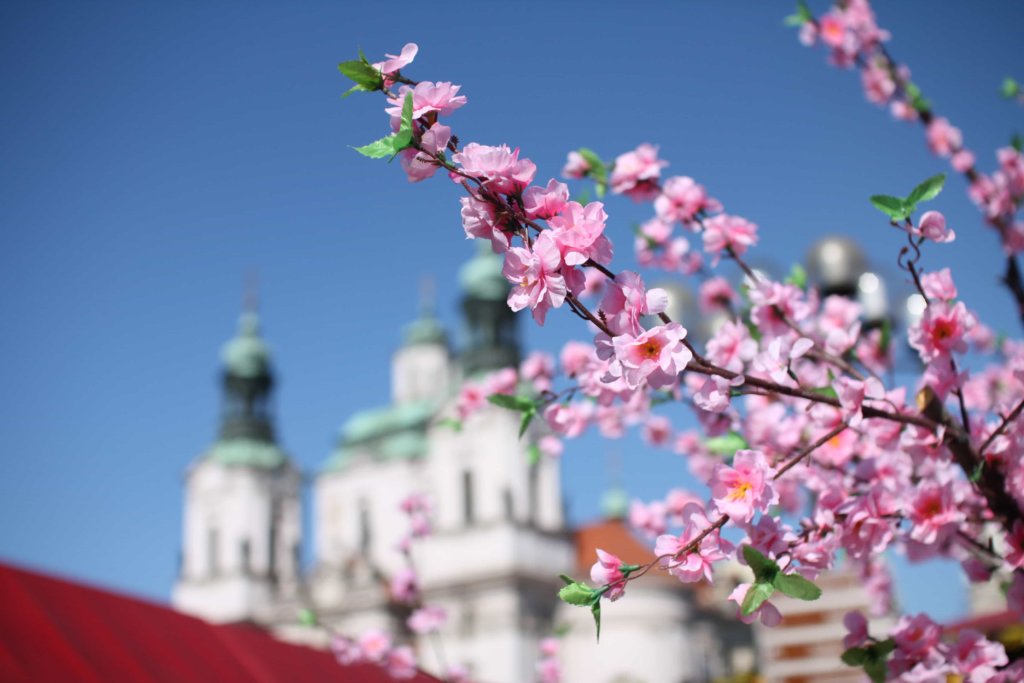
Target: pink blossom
939, 285
536, 281
745, 488
394, 63
716, 294
480, 220
934, 513
696, 564
626, 300
976, 657
775, 360
404, 586
578, 232
857, 626
650, 519
724, 231
943, 138
713, 395
427, 619
878, 83
932, 226
375, 645
851, 395
550, 446
401, 662
549, 670
681, 199
500, 168
636, 173
538, 368
427, 97
962, 161
574, 357
565, 419
656, 356
832, 29
576, 167
420, 165
545, 202
767, 612
607, 571
346, 650
867, 529
916, 636
657, 430
941, 330
731, 347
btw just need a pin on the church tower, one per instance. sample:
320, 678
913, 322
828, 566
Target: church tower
242, 516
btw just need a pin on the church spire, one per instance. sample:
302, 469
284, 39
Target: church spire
492, 338
247, 379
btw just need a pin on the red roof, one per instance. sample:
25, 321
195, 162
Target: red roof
56, 630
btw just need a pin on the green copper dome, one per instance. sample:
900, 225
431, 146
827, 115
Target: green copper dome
247, 453
481, 277
615, 503
247, 355
392, 433
426, 330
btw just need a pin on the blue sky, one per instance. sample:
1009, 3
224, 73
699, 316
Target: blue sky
153, 154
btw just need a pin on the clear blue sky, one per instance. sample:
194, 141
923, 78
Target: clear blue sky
153, 153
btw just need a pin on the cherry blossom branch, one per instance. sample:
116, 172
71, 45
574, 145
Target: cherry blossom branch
1014, 414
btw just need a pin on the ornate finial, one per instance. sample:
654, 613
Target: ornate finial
428, 297
615, 501
251, 293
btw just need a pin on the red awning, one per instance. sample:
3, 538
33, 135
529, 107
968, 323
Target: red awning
59, 631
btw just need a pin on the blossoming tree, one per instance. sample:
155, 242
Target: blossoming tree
807, 448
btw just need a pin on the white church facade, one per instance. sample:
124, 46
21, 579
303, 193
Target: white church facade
500, 535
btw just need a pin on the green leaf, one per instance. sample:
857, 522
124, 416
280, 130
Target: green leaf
561, 630
1016, 142
595, 609
363, 74
893, 207
887, 336
884, 648
765, 569
801, 16
455, 425
855, 656
727, 444
525, 422
876, 670
307, 617
568, 580
597, 166
978, 469
576, 593
533, 454
797, 276
828, 392
520, 403
1010, 88
796, 586
378, 149
355, 88
756, 595
403, 138
927, 190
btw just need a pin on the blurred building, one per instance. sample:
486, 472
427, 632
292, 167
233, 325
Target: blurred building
500, 535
